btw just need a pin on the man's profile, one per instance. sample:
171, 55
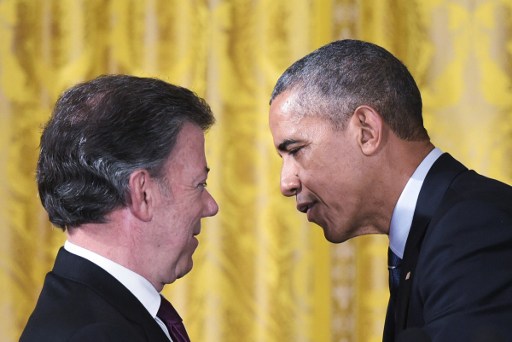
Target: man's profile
122, 171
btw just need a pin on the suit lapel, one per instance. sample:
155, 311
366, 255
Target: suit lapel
439, 177
78, 269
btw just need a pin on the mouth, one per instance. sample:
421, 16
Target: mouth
304, 207
197, 231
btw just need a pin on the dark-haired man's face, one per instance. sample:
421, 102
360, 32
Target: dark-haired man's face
181, 204
322, 167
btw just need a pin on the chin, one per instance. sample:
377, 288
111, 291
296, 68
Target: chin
185, 271
333, 236
334, 239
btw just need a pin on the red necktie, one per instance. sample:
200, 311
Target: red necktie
172, 321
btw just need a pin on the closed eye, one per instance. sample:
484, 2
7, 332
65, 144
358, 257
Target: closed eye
290, 146
294, 151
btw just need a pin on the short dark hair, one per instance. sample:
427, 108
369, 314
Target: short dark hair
99, 133
338, 77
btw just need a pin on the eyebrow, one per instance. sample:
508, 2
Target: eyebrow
202, 175
283, 147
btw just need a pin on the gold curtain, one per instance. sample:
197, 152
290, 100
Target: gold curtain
261, 273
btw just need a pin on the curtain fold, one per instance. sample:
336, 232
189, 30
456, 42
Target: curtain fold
261, 272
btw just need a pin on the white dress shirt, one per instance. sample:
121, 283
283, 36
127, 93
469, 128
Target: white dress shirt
139, 286
403, 213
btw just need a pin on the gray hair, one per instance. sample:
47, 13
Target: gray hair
335, 79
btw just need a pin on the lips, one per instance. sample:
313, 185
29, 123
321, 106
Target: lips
197, 229
304, 207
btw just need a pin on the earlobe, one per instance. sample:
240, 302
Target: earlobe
370, 126
140, 195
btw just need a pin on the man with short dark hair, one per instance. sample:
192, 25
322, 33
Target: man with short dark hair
347, 121
122, 170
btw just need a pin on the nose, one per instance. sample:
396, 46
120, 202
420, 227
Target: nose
211, 206
290, 182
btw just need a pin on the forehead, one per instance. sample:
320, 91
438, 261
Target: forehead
288, 120
190, 136
284, 116
188, 152
285, 107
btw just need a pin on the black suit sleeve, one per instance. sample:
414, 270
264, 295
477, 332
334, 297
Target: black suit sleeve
465, 277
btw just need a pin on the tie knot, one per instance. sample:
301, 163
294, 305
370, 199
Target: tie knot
167, 313
172, 321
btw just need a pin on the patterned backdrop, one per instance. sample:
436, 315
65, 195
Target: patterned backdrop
262, 273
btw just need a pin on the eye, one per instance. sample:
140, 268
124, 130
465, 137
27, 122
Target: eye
202, 185
294, 151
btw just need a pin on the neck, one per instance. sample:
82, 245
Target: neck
110, 240
398, 162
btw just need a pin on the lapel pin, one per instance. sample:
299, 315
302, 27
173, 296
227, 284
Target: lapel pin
408, 276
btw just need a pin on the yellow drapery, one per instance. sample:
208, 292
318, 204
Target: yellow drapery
261, 273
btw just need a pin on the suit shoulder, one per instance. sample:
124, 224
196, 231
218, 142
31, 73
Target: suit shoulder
473, 184
67, 309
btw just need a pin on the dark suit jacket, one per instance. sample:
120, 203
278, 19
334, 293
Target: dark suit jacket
456, 275
82, 302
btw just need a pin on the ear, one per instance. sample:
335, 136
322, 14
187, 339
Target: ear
369, 126
140, 195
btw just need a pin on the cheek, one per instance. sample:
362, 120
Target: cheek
321, 181
321, 168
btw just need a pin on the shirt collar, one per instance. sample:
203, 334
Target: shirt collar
403, 213
139, 286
